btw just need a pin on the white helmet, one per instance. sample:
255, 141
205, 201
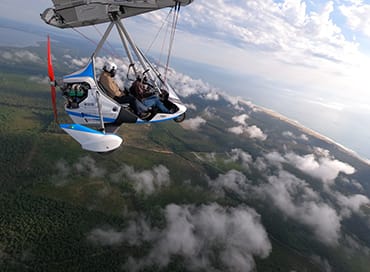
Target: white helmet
110, 66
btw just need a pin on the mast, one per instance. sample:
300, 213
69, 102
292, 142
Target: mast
133, 47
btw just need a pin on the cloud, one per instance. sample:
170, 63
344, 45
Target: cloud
200, 235
186, 86
20, 56
105, 237
350, 204
42, 80
193, 123
63, 171
241, 119
146, 181
238, 130
303, 137
274, 158
239, 155
325, 168
294, 198
289, 134
253, 131
323, 263
357, 16
284, 26
233, 181
87, 166
212, 96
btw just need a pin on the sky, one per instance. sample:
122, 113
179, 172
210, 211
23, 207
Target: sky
317, 51
317, 45
321, 47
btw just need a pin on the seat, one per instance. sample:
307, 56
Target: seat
102, 88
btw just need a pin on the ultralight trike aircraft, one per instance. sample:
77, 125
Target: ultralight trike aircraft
96, 115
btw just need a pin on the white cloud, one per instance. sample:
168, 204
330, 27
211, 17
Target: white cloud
351, 203
87, 165
43, 80
287, 26
253, 131
20, 56
303, 137
146, 181
357, 15
239, 155
325, 168
232, 181
293, 197
237, 130
105, 237
275, 158
194, 232
193, 123
212, 96
241, 119
288, 134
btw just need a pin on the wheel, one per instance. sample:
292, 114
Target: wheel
180, 118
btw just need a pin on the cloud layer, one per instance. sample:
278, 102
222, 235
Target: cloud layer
321, 211
200, 235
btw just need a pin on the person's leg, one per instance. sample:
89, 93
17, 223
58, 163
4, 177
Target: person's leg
141, 107
128, 99
161, 106
149, 102
155, 101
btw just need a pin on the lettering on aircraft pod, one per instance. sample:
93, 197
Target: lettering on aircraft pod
89, 104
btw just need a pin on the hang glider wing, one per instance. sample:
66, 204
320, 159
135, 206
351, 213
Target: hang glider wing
76, 13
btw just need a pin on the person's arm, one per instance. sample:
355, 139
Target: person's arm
110, 85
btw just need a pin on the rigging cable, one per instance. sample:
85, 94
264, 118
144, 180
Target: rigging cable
92, 41
159, 31
113, 50
172, 37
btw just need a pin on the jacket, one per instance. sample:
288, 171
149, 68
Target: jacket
110, 85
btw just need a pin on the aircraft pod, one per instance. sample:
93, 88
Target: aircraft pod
95, 114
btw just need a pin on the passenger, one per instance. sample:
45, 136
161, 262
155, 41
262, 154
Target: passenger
106, 79
149, 99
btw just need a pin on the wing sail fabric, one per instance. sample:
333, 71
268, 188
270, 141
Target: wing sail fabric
76, 13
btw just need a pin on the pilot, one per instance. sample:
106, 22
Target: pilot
142, 93
112, 89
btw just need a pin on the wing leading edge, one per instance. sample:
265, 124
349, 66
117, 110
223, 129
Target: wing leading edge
76, 13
